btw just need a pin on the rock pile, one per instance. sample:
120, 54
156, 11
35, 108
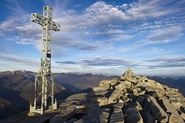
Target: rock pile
129, 99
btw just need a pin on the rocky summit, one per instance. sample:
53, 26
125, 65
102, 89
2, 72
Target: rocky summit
128, 99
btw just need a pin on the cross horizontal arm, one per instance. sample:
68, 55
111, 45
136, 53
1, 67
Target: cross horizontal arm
54, 26
39, 19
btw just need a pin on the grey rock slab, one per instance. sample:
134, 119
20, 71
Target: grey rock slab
148, 118
157, 111
102, 101
64, 115
118, 105
132, 80
120, 86
96, 115
135, 92
108, 82
99, 88
71, 120
142, 92
140, 100
175, 119
123, 85
114, 96
57, 119
167, 106
82, 109
100, 93
132, 115
77, 97
116, 116
176, 104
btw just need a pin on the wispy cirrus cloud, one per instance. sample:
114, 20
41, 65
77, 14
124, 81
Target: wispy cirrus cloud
172, 59
167, 62
149, 9
164, 61
165, 35
76, 44
18, 59
99, 61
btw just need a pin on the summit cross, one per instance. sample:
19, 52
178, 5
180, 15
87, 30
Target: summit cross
44, 82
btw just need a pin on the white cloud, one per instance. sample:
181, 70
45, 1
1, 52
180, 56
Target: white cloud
98, 22
15, 28
100, 27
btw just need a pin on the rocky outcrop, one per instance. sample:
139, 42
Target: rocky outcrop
128, 99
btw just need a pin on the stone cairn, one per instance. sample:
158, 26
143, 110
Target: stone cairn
129, 99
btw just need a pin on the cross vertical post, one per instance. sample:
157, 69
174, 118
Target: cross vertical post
44, 82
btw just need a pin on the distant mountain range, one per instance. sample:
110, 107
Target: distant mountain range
17, 88
17, 91
80, 82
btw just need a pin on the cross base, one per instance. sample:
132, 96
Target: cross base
43, 109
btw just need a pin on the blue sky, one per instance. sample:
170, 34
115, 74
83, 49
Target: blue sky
97, 36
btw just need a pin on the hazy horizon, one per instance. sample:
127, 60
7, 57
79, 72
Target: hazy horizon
103, 74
